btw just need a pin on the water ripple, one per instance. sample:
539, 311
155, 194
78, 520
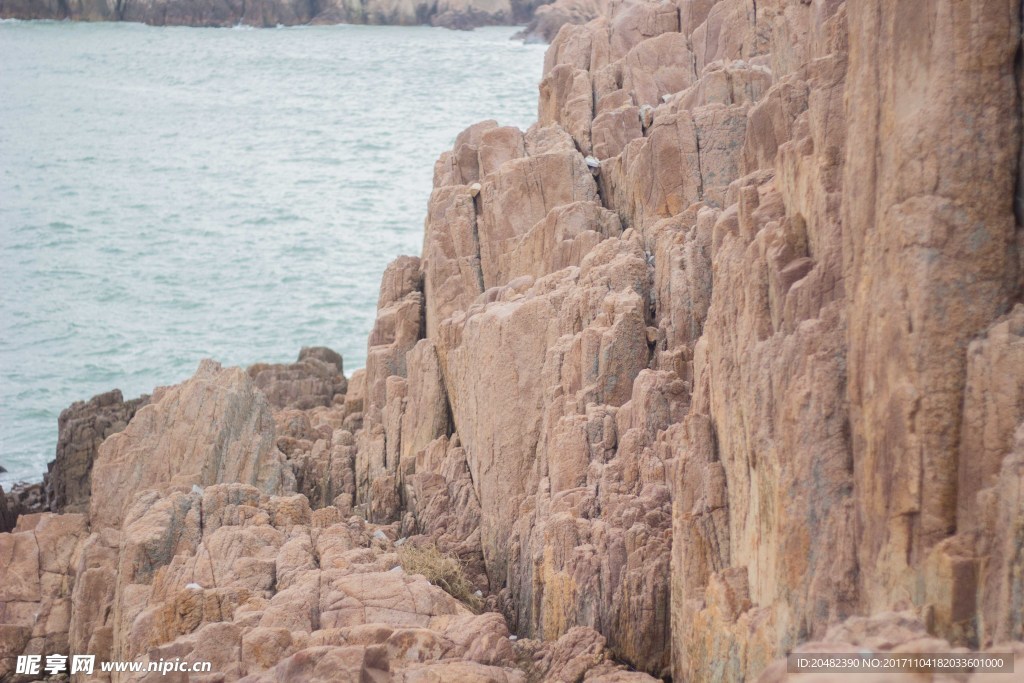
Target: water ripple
168, 194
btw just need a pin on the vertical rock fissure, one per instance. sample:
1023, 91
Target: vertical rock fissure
479, 266
1018, 205
700, 169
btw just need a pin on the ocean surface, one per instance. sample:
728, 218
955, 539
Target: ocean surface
173, 194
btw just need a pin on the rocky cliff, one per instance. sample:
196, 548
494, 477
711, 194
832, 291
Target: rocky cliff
721, 359
460, 14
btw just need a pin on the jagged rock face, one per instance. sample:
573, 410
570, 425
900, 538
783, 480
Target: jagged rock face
216, 427
81, 428
688, 334
313, 380
36, 560
398, 327
933, 259
719, 360
262, 587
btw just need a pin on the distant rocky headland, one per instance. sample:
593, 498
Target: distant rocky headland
543, 20
459, 14
722, 359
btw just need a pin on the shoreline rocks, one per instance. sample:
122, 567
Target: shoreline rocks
169, 562
23, 498
81, 428
454, 14
548, 19
8, 513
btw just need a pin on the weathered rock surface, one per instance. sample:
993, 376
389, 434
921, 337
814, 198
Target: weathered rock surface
81, 429
667, 361
36, 563
263, 586
217, 427
313, 380
964, 232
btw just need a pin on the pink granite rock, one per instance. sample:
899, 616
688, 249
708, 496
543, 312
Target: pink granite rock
749, 382
216, 427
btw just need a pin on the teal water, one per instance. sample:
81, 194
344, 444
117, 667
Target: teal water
172, 194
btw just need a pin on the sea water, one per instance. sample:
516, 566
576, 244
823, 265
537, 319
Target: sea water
173, 194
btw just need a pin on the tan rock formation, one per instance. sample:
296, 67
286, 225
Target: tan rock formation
911, 326
259, 586
217, 427
720, 360
704, 356
37, 563
313, 380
